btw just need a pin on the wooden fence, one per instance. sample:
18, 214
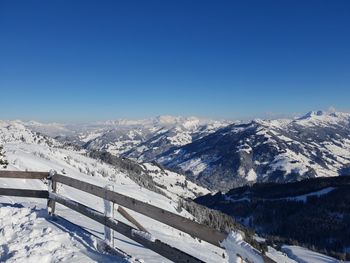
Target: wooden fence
181, 223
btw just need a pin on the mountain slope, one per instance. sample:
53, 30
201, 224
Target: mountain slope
220, 155
38, 155
313, 213
138, 139
318, 144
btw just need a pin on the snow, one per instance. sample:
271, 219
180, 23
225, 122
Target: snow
176, 185
196, 166
299, 165
36, 156
129, 136
90, 136
245, 148
251, 176
303, 255
323, 118
14, 131
235, 245
303, 198
181, 138
143, 234
279, 256
27, 235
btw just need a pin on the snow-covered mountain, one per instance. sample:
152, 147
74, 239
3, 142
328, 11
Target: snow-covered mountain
137, 139
168, 137
19, 140
221, 154
29, 150
317, 144
15, 131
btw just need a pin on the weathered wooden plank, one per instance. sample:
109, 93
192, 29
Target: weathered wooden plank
126, 215
268, 259
23, 175
109, 212
157, 246
186, 225
24, 192
51, 205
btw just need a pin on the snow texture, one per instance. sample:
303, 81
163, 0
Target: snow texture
26, 235
43, 155
143, 235
237, 248
303, 255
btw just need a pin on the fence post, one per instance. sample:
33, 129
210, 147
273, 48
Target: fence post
52, 188
109, 213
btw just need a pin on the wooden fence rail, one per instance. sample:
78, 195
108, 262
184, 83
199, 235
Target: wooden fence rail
186, 225
181, 223
23, 175
24, 193
157, 246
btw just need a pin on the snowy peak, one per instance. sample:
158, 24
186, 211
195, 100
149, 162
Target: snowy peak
15, 131
323, 118
312, 114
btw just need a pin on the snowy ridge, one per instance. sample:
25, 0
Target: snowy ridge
14, 131
220, 154
138, 139
317, 144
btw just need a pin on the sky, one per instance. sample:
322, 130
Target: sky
78, 61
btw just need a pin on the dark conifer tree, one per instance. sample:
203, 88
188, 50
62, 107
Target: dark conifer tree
3, 162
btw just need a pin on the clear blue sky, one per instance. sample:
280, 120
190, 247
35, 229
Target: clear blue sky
90, 60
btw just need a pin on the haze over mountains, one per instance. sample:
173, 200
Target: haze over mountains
222, 154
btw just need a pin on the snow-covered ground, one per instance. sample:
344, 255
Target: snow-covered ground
235, 245
279, 256
27, 151
22, 156
175, 184
29, 235
303, 255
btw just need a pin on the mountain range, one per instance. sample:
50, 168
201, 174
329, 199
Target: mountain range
169, 160
222, 154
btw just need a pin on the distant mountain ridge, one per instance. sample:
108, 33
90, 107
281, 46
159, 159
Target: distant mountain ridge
22, 147
225, 154
137, 139
317, 144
